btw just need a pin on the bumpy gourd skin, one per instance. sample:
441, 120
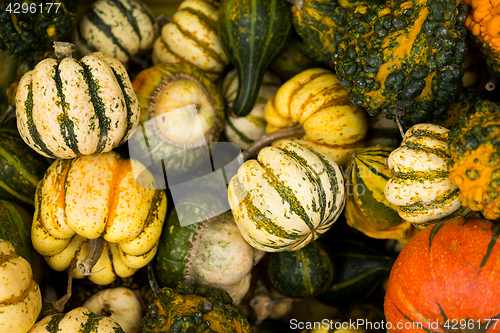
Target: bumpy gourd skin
24, 33
403, 56
484, 24
194, 309
475, 159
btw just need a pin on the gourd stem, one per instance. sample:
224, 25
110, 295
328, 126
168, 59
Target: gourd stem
289, 132
96, 246
398, 115
60, 303
299, 4
492, 84
152, 280
63, 50
8, 114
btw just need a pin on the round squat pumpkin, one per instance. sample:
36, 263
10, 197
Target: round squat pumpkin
448, 274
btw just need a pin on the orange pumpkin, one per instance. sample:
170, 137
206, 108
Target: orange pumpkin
447, 277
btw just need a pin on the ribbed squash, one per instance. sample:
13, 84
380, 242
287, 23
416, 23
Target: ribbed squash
180, 138
98, 198
20, 297
420, 186
366, 208
21, 168
245, 130
23, 32
192, 37
193, 309
483, 22
117, 28
475, 159
303, 273
210, 252
316, 100
448, 273
75, 107
79, 320
286, 198
253, 34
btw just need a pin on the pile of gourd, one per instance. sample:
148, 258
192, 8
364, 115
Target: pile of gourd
183, 172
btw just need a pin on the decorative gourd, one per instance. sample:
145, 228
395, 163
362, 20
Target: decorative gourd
27, 27
303, 273
286, 198
95, 205
193, 309
245, 130
192, 37
79, 320
210, 252
447, 273
22, 168
483, 24
366, 207
463, 106
253, 34
20, 297
175, 133
119, 304
420, 186
358, 271
475, 159
70, 107
117, 28
316, 100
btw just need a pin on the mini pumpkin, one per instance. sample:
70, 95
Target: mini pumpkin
420, 187
286, 198
97, 200
316, 100
70, 107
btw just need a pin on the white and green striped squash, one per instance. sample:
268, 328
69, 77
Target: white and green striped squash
117, 28
76, 107
243, 131
78, 320
286, 198
420, 186
193, 37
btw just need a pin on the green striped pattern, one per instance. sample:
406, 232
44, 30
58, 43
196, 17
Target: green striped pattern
245, 130
367, 209
75, 108
420, 185
15, 227
287, 198
117, 28
302, 273
253, 33
21, 168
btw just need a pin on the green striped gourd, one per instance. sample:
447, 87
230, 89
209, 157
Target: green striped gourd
420, 186
79, 320
15, 227
303, 273
22, 168
20, 298
245, 130
253, 33
193, 37
72, 107
358, 271
286, 198
366, 207
117, 28
210, 252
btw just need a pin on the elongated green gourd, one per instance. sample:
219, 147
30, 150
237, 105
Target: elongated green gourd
253, 34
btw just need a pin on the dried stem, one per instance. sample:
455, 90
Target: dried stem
294, 131
398, 116
492, 84
85, 266
8, 114
60, 303
299, 4
63, 50
152, 280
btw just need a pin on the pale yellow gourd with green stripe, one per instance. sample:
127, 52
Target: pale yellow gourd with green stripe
316, 99
286, 198
192, 37
243, 131
420, 186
